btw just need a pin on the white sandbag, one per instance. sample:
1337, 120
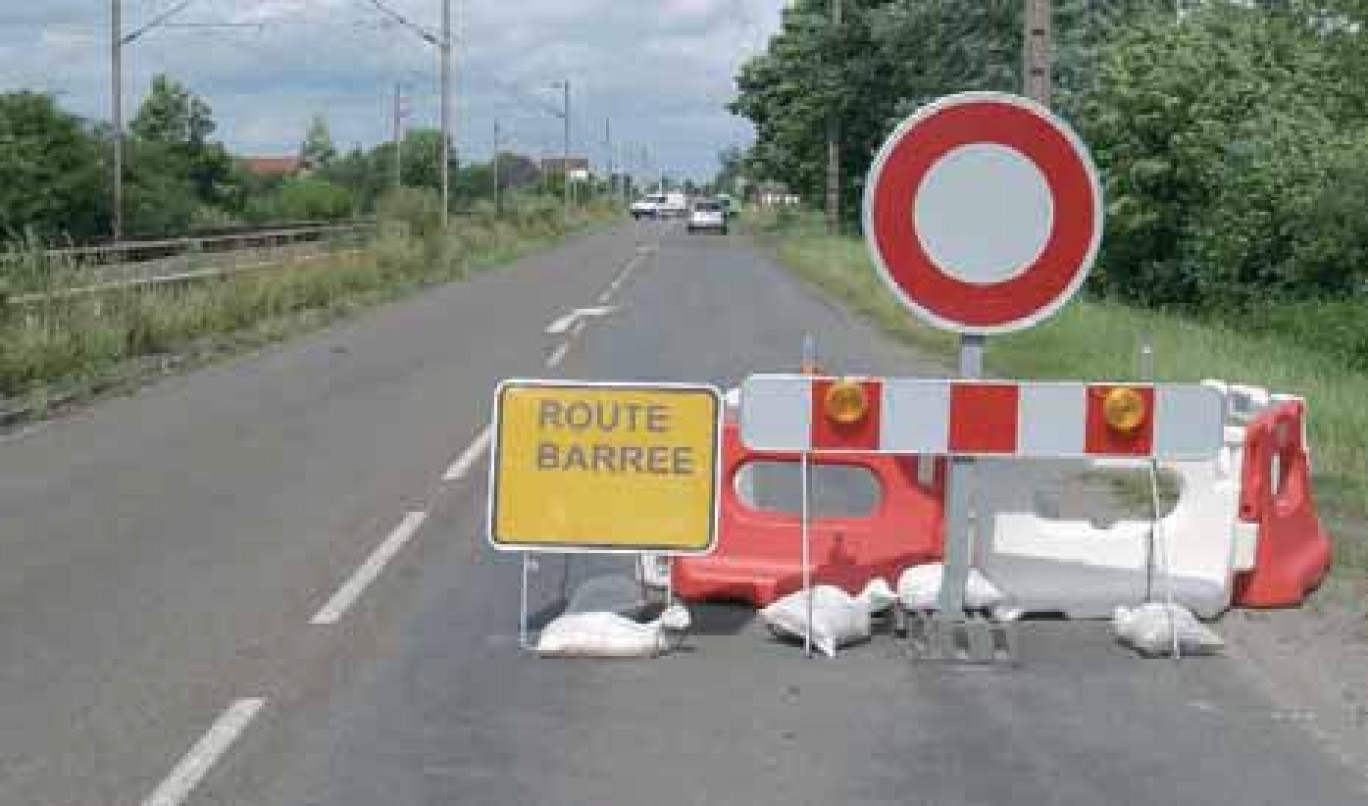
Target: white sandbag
919, 589
608, 635
838, 619
1149, 629
877, 596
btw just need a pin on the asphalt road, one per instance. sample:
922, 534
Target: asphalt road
265, 583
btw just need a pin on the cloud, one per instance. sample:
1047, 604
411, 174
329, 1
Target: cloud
660, 70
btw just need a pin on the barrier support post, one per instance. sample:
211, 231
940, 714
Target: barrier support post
959, 501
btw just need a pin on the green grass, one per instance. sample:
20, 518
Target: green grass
1101, 340
79, 344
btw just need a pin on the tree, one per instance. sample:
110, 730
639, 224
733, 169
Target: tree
54, 183
517, 171
731, 171
171, 115
317, 150
173, 127
1227, 166
422, 157
312, 199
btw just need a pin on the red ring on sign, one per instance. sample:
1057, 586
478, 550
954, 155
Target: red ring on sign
1067, 252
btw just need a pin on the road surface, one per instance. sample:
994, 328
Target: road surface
265, 583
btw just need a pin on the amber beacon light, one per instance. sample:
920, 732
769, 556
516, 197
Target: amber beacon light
846, 402
1124, 409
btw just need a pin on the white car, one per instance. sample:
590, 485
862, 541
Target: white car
647, 207
708, 215
676, 205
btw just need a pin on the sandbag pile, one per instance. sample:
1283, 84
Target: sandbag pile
1150, 630
609, 635
919, 590
838, 619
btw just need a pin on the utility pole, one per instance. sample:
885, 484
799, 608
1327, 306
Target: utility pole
565, 151
608, 143
443, 45
498, 198
833, 177
118, 40
398, 135
569, 188
116, 94
446, 113
1037, 63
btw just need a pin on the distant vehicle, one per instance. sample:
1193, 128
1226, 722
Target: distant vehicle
708, 214
647, 206
676, 205
728, 204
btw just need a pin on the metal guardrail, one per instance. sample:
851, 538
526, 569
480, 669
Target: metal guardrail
128, 252
177, 278
147, 264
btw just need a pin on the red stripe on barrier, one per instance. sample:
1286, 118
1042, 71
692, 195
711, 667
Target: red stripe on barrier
983, 417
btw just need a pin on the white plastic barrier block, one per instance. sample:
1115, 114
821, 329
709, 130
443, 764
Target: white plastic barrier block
1083, 570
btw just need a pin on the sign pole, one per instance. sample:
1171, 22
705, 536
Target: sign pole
809, 367
522, 609
959, 500
805, 471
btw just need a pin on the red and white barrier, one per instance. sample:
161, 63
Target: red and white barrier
1226, 541
799, 413
1293, 552
1243, 531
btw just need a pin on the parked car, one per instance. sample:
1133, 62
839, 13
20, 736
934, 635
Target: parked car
647, 207
728, 205
708, 215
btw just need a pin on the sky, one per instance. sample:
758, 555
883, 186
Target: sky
659, 71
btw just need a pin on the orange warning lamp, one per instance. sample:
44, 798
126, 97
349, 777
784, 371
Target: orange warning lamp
846, 402
1124, 409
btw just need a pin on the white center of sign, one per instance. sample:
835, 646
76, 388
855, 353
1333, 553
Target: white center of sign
983, 213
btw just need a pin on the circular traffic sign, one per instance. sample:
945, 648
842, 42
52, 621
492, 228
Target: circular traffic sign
983, 213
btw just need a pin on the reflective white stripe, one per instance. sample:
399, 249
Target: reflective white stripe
1188, 422
776, 413
1052, 419
916, 416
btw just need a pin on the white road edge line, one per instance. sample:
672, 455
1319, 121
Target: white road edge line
472, 454
206, 752
558, 356
369, 570
577, 329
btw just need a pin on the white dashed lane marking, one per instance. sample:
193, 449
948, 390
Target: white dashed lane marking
558, 356
351, 591
196, 764
469, 457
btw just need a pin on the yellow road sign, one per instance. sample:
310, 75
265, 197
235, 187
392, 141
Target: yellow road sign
588, 466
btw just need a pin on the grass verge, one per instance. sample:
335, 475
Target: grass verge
64, 349
1101, 340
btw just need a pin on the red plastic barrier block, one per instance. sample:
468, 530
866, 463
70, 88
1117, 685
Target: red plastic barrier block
1294, 551
758, 557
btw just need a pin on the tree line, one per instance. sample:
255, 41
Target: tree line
56, 174
1232, 136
